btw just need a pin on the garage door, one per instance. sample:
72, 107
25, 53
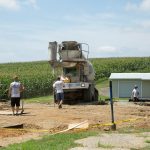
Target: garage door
126, 87
146, 89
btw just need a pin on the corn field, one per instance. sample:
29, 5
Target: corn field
37, 76
105, 66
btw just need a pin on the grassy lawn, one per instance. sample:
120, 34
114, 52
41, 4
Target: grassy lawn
52, 142
44, 99
65, 141
102, 83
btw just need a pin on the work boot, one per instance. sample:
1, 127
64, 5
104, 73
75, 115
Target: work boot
59, 106
17, 114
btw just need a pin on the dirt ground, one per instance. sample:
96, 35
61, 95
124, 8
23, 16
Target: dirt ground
39, 119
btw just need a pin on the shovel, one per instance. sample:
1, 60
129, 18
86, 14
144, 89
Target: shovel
22, 106
22, 101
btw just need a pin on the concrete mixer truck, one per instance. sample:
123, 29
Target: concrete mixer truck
69, 59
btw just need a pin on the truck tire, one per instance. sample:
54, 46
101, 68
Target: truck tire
95, 94
88, 95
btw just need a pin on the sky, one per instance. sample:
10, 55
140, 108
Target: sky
112, 28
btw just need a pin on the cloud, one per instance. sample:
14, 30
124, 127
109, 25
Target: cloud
88, 18
9, 4
17, 4
131, 6
33, 3
145, 24
144, 5
107, 49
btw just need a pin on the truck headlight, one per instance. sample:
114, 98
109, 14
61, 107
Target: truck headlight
82, 84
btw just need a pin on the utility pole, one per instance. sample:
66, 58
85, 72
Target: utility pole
113, 127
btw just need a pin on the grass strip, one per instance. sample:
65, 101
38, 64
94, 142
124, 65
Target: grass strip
56, 142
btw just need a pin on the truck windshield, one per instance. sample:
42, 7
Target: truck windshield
72, 71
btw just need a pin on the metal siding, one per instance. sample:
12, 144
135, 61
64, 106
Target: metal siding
115, 88
146, 88
133, 76
126, 87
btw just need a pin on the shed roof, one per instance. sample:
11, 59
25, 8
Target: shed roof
142, 76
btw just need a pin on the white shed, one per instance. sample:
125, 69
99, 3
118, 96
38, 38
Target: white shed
123, 84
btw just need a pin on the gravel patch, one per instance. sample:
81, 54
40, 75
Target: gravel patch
114, 142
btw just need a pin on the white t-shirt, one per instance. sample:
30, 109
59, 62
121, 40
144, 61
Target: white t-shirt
15, 89
58, 85
135, 93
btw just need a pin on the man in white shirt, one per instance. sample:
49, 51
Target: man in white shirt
58, 86
15, 90
135, 94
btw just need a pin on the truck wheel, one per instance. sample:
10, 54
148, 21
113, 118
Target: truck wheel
96, 94
88, 95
